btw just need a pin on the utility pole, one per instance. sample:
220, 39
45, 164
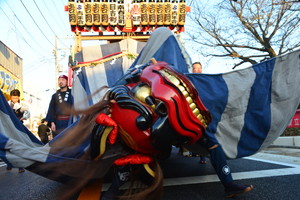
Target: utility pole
58, 66
56, 62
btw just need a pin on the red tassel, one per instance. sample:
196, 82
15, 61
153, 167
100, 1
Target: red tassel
134, 159
105, 120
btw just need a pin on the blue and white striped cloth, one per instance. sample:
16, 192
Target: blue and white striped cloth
250, 108
64, 157
87, 80
162, 45
18, 145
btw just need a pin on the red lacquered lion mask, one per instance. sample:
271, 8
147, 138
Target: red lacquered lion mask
156, 107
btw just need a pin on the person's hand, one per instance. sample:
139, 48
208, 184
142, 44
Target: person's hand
53, 127
17, 106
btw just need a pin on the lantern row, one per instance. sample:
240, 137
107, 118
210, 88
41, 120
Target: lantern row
126, 15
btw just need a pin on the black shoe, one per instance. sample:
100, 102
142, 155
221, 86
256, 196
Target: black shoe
8, 168
233, 190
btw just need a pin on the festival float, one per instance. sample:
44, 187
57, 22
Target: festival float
135, 16
137, 100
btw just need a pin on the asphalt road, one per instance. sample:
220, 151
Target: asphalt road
275, 174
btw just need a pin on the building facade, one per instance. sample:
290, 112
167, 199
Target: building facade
11, 71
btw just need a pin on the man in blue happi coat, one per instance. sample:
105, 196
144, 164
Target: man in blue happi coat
58, 112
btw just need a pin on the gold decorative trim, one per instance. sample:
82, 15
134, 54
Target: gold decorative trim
128, 54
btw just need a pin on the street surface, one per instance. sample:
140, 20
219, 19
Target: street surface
274, 172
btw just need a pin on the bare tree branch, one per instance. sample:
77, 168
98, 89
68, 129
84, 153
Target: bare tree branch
246, 30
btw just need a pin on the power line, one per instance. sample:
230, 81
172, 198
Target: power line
37, 60
62, 2
37, 65
31, 65
66, 22
16, 29
48, 23
36, 23
58, 11
18, 40
62, 26
44, 17
24, 29
60, 23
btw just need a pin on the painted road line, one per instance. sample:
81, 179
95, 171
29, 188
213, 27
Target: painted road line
289, 169
2, 164
292, 170
236, 176
290, 161
214, 178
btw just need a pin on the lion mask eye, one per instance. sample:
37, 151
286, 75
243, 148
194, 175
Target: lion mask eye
142, 92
